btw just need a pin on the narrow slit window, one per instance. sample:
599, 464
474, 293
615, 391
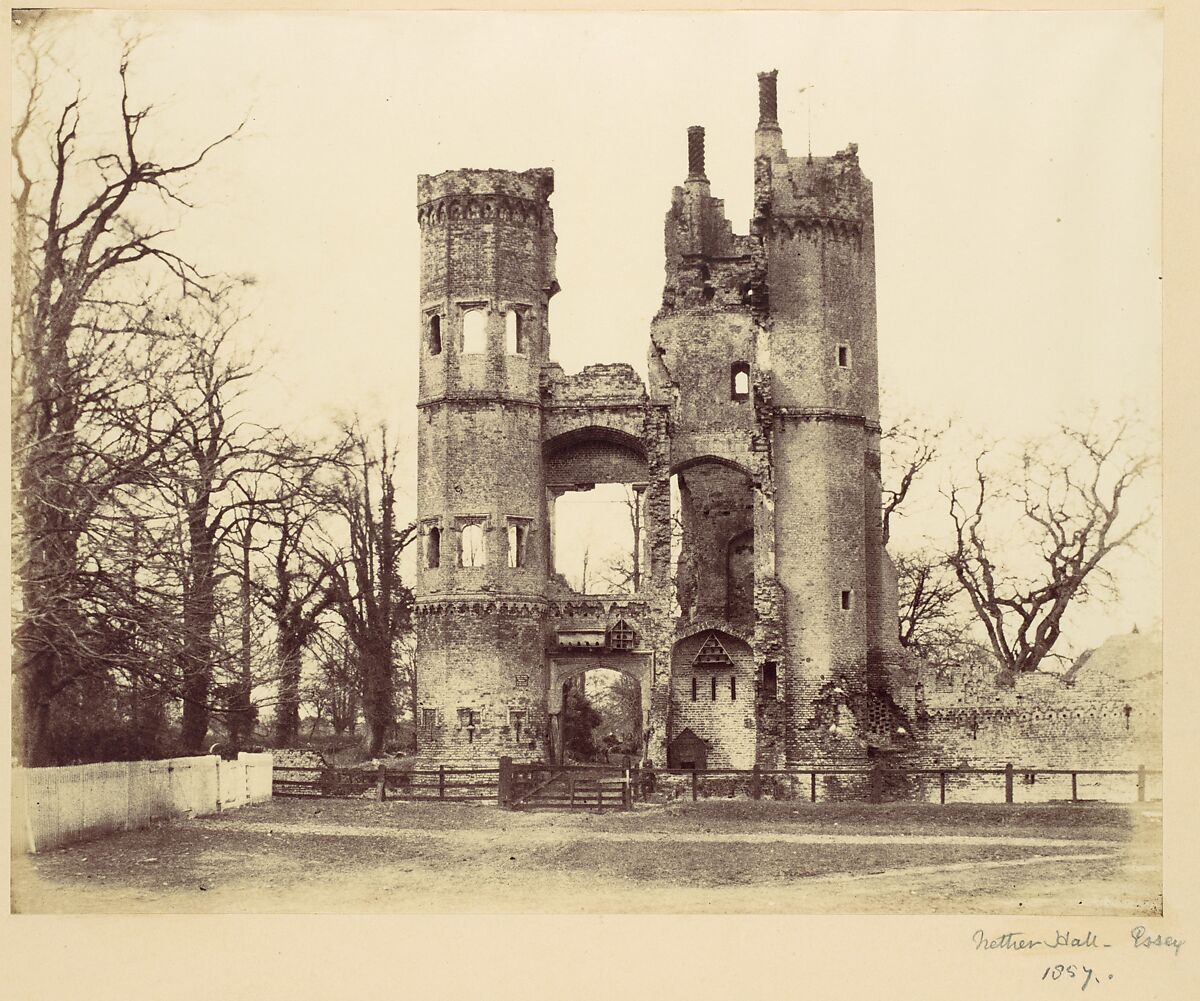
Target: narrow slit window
435, 334
433, 548
714, 688
695, 689
845, 601
733, 688
470, 553
474, 331
739, 382
514, 332
843, 356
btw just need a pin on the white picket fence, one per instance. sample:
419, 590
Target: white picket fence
54, 806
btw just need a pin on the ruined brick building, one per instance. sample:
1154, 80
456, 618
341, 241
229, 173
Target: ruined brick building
770, 636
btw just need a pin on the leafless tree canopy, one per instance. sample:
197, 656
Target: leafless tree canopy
176, 558
1070, 495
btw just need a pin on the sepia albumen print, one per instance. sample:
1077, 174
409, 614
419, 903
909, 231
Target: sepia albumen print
709, 463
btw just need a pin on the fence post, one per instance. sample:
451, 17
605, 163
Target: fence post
503, 782
1008, 782
812, 787
942, 786
1074, 787
694, 781
381, 784
755, 783
627, 791
441, 781
1141, 783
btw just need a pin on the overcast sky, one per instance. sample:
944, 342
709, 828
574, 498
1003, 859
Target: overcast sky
1015, 161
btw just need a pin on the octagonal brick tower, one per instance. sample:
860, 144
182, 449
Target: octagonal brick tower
815, 218
487, 276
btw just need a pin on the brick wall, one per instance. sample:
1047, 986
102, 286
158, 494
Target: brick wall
727, 721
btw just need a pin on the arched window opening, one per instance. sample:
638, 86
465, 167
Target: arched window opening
435, 334
474, 326
470, 553
514, 332
433, 548
739, 381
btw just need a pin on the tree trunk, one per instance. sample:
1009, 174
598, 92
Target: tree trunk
287, 713
377, 696
199, 614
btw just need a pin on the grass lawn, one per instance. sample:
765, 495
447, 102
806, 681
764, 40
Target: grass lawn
732, 856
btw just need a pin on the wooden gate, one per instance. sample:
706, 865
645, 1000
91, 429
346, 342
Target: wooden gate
568, 787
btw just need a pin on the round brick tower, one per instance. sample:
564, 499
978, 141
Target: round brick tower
487, 276
816, 220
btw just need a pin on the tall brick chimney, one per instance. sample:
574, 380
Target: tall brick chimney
768, 138
696, 153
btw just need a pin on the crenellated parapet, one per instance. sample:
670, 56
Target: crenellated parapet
483, 209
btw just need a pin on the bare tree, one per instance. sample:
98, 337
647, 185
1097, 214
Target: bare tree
334, 691
299, 589
1070, 495
930, 624
84, 342
908, 448
374, 603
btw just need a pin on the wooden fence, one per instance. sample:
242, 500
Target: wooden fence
517, 785
445, 784
875, 784
54, 806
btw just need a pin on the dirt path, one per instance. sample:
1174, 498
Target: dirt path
555, 835
719, 858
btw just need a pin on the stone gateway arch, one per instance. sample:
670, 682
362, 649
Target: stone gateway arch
766, 628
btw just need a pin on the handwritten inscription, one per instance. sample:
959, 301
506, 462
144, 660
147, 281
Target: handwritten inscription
1142, 939
1017, 941
1074, 974
1083, 976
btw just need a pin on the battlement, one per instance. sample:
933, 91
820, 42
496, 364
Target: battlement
823, 189
534, 185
